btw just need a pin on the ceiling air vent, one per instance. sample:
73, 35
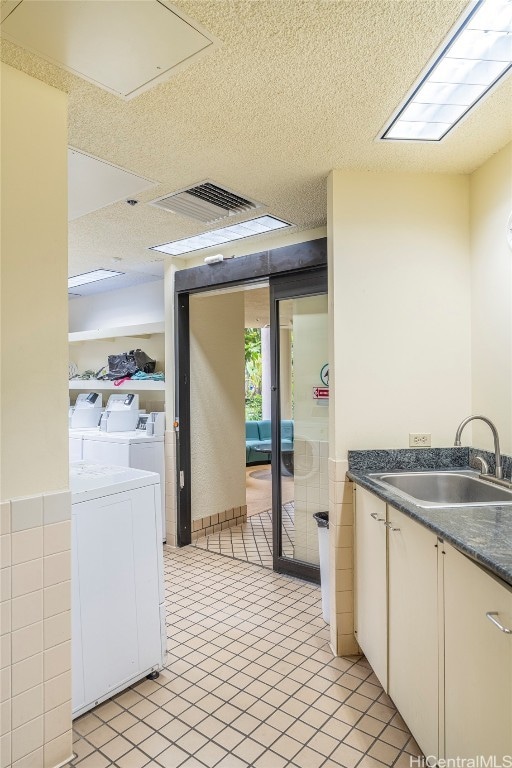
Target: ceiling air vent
206, 202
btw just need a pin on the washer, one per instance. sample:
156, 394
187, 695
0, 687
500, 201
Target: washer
76, 439
118, 612
134, 449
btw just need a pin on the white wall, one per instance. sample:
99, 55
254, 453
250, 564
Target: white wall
127, 306
400, 308
491, 291
217, 403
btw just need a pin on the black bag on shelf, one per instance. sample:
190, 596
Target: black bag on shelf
144, 363
128, 363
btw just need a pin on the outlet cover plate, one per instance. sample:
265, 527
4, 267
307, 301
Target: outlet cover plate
420, 439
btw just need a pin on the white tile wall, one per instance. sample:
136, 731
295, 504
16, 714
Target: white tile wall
311, 487
35, 631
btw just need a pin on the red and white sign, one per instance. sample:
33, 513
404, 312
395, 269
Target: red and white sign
320, 393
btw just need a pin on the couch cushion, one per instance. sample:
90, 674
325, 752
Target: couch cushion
264, 429
251, 430
287, 430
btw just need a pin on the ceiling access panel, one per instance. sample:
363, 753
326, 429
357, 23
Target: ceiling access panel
122, 46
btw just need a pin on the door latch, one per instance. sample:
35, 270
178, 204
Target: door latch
182, 479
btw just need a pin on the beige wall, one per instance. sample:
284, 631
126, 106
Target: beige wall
217, 403
400, 276
399, 298
491, 294
35, 625
34, 287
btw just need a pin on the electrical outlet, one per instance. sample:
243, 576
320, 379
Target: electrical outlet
420, 439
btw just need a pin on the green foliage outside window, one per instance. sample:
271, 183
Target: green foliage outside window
253, 375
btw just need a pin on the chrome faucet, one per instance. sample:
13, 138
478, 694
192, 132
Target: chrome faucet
498, 472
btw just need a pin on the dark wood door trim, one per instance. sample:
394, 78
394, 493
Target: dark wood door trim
301, 260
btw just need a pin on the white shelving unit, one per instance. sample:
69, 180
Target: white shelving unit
133, 384
139, 331
142, 331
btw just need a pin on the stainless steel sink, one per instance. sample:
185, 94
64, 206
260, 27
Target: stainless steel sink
444, 489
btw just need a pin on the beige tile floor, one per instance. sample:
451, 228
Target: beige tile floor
249, 681
252, 541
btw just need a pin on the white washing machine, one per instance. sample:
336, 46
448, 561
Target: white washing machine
76, 439
134, 449
118, 612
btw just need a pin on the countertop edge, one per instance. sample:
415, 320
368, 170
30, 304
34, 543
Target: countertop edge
420, 515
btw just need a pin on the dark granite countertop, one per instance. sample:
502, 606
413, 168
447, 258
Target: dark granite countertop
484, 533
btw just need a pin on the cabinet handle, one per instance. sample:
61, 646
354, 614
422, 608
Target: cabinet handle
376, 517
491, 615
390, 526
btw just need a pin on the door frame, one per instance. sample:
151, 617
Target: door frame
299, 259
282, 287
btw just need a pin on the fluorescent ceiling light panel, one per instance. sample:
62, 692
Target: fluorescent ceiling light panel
474, 58
91, 277
218, 237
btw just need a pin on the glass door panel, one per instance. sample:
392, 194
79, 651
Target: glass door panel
301, 413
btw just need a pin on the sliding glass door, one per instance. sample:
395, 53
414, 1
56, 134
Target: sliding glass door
300, 415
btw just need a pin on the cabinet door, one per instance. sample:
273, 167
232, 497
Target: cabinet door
478, 661
371, 581
413, 627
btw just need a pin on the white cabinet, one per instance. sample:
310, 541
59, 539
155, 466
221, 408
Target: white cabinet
371, 581
437, 629
413, 627
478, 661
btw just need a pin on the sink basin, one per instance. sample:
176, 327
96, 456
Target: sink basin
444, 489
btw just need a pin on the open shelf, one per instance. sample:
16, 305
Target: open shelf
137, 386
142, 330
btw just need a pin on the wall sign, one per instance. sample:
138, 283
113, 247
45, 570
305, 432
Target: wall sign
324, 375
320, 393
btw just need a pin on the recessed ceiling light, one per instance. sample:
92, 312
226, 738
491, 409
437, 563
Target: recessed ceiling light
91, 277
472, 60
259, 226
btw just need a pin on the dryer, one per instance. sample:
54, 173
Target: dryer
118, 612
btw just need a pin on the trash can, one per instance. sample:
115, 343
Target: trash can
322, 519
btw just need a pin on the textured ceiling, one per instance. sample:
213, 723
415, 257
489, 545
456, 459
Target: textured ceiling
295, 89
